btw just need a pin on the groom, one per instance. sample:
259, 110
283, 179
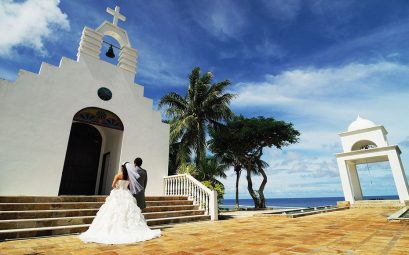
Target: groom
142, 180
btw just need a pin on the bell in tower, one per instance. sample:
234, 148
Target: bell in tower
110, 53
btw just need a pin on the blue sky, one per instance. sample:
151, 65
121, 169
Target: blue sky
317, 64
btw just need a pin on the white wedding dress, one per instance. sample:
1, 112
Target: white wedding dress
119, 220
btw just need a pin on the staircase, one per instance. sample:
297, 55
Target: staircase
33, 216
377, 204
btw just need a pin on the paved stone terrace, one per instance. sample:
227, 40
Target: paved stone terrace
354, 231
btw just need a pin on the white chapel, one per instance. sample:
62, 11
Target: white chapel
67, 129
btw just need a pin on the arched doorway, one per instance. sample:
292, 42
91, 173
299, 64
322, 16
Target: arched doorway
93, 152
81, 160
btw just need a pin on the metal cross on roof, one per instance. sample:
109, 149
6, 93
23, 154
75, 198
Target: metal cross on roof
116, 15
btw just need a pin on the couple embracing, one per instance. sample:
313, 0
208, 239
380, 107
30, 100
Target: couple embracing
120, 220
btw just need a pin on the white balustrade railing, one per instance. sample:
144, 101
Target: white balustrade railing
186, 185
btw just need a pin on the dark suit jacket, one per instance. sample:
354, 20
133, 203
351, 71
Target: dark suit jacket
143, 180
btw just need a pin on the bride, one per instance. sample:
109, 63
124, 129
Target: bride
119, 220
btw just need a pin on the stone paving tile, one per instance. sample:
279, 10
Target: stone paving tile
351, 232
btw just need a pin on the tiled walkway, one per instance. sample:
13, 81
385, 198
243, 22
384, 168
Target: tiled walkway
354, 231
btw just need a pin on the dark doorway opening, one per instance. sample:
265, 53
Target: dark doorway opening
81, 161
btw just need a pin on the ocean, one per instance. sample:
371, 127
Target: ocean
295, 202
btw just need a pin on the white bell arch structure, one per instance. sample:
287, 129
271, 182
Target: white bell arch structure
91, 43
366, 142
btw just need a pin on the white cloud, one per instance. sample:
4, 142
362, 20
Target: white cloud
333, 16
299, 85
285, 10
222, 19
158, 72
308, 166
264, 49
294, 174
388, 38
29, 23
153, 69
284, 184
322, 103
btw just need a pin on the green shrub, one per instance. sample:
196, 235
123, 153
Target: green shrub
188, 168
218, 187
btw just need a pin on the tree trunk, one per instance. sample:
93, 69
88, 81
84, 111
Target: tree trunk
237, 169
261, 189
250, 189
200, 147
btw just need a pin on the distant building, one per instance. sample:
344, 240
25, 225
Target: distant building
363, 143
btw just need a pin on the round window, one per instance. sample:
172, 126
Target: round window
104, 93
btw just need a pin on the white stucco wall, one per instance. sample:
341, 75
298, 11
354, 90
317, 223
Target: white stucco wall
36, 114
111, 142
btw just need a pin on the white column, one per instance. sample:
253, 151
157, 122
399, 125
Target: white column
213, 206
346, 183
399, 176
355, 183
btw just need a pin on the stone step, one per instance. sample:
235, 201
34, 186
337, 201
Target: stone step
56, 199
72, 229
168, 203
38, 214
79, 205
169, 214
41, 214
46, 231
45, 222
50, 199
301, 214
377, 204
163, 198
49, 206
376, 201
172, 220
32, 216
79, 220
170, 208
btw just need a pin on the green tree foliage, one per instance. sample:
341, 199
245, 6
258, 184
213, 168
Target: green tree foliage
188, 168
241, 142
227, 149
204, 105
219, 187
211, 168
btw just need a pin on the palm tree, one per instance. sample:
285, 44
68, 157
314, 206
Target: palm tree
228, 158
212, 168
204, 105
224, 150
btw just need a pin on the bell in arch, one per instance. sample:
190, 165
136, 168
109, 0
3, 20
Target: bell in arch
110, 53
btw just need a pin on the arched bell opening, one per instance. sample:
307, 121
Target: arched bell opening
110, 50
363, 145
